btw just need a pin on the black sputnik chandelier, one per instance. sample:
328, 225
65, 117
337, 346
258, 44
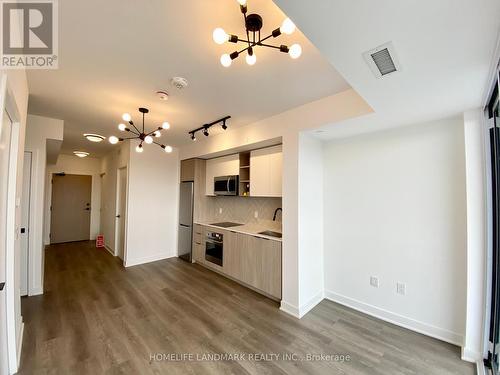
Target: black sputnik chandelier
253, 26
141, 135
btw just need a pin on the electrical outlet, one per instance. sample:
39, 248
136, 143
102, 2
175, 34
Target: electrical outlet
220, 210
374, 281
256, 214
401, 288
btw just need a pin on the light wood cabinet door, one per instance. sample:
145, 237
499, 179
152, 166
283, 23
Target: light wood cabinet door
232, 257
188, 170
266, 172
198, 244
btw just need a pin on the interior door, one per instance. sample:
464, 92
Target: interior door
70, 214
5, 136
25, 222
121, 211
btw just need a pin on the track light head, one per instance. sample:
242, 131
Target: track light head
224, 126
193, 137
205, 132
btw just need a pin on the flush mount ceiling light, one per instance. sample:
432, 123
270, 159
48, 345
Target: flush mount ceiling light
204, 128
253, 26
162, 94
141, 135
94, 137
81, 154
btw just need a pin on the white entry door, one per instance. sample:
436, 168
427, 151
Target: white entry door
25, 223
121, 212
5, 136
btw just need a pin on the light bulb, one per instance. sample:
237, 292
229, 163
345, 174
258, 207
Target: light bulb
295, 51
225, 60
168, 149
242, 2
148, 139
157, 134
165, 125
251, 59
126, 117
220, 36
287, 27
122, 127
113, 140
139, 149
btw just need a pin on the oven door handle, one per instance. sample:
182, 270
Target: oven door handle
214, 242
228, 180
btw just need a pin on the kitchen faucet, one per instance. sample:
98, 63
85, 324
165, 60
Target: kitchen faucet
276, 212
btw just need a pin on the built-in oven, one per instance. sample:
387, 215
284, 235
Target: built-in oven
214, 248
226, 185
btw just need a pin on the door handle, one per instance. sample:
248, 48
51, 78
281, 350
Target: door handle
117, 216
2, 285
87, 209
23, 230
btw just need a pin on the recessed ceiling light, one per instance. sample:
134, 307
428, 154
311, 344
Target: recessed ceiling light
94, 137
81, 154
162, 94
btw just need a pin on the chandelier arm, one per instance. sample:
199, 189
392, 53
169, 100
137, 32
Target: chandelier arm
135, 127
143, 114
125, 139
154, 131
268, 45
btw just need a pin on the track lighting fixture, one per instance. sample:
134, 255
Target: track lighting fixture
204, 128
253, 26
141, 135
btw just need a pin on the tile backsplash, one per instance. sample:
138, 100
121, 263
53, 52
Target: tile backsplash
241, 209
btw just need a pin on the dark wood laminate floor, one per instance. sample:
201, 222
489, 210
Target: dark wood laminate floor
98, 318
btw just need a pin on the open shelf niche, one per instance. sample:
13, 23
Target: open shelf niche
244, 174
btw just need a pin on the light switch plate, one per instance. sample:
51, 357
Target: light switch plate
374, 281
401, 288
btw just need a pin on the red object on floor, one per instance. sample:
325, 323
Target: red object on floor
99, 241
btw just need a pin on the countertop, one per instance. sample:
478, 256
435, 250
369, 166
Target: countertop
249, 228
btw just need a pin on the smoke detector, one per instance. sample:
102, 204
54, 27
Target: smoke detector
163, 95
382, 60
179, 82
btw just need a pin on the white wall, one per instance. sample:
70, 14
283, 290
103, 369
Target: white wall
153, 205
17, 84
329, 110
395, 208
38, 131
71, 164
114, 160
310, 215
476, 234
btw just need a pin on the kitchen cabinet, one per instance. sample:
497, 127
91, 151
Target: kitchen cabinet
198, 244
266, 170
223, 166
188, 170
254, 261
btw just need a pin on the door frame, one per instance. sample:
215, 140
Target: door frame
119, 171
8, 104
28, 235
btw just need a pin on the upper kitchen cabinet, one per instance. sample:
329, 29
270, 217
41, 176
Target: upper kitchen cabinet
188, 170
224, 166
266, 167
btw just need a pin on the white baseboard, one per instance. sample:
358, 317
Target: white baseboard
470, 355
399, 320
19, 344
35, 291
299, 312
290, 309
109, 250
149, 259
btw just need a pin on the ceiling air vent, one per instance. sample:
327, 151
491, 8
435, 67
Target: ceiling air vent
382, 60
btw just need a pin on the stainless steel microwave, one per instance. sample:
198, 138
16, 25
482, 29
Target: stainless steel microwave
226, 185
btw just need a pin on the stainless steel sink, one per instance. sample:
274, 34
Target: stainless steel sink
270, 233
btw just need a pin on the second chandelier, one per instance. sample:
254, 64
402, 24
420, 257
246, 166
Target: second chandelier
253, 26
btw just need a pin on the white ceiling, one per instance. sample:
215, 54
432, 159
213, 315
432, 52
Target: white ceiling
115, 54
445, 47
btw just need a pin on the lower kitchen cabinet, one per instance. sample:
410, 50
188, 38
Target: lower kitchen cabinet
198, 244
255, 261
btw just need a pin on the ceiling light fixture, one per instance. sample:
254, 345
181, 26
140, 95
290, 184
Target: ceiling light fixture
81, 154
163, 95
141, 134
204, 128
253, 26
94, 137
